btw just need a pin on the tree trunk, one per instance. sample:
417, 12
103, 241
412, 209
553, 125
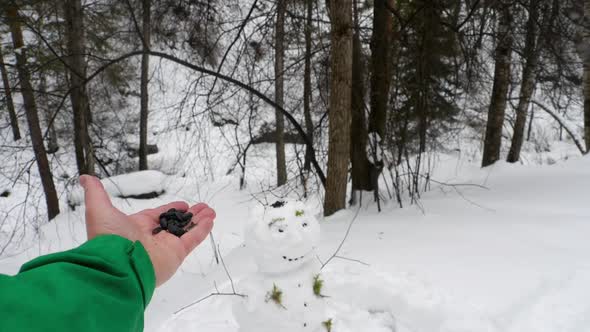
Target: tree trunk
586, 38
31, 113
457, 13
43, 98
279, 91
380, 67
52, 146
78, 97
423, 78
145, 65
361, 179
531, 57
530, 129
9, 102
307, 84
340, 102
307, 97
493, 138
380, 83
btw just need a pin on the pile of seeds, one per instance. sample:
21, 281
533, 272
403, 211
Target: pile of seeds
175, 222
278, 204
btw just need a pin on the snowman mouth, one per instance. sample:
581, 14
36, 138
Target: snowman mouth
297, 258
293, 259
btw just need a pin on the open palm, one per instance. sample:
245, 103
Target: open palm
166, 251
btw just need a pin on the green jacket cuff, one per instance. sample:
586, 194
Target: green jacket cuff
110, 254
142, 264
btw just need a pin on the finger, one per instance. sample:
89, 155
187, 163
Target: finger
95, 197
197, 234
203, 217
195, 209
156, 212
201, 211
203, 214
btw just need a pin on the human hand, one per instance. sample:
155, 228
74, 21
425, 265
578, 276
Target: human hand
166, 251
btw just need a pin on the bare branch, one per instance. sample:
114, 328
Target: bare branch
562, 124
343, 239
206, 71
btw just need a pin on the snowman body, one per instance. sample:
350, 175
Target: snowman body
280, 295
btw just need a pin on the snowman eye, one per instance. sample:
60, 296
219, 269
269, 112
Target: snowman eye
304, 224
281, 230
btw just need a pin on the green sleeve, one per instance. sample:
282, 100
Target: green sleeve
103, 285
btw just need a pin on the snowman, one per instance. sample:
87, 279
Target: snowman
285, 294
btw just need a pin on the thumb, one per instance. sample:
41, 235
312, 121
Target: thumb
95, 197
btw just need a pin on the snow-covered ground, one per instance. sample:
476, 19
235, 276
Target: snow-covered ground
498, 249
510, 254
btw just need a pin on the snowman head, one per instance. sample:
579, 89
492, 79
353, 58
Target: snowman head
282, 237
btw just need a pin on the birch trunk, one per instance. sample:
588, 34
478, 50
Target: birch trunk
145, 65
279, 91
493, 138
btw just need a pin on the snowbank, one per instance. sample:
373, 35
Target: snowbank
143, 184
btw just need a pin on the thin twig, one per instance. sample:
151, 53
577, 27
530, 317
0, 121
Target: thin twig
206, 297
262, 96
352, 260
214, 248
471, 201
231, 281
343, 239
240, 30
454, 185
562, 123
136, 24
